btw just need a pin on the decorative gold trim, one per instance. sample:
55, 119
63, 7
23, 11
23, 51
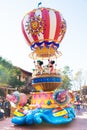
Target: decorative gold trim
44, 54
46, 75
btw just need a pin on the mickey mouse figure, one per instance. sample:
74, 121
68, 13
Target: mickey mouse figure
39, 67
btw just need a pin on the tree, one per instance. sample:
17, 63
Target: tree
9, 74
5, 63
14, 79
66, 80
79, 80
4, 75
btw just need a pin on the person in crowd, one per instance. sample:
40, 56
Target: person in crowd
78, 106
7, 108
1, 109
1, 103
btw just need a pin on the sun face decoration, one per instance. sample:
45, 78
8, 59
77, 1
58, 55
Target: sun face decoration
35, 25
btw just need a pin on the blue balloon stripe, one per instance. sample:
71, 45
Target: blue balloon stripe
47, 44
46, 79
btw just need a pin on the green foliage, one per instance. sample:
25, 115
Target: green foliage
9, 74
5, 63
4, 74
13, 81
66, 80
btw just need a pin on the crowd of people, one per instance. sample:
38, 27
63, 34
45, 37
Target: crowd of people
5, 108
79, 104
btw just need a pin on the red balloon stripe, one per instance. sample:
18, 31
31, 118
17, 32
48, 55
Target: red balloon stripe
45, 17
58, 25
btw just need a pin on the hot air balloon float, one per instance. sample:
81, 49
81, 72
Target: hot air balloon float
44, 29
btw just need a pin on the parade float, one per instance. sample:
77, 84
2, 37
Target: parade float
44, 29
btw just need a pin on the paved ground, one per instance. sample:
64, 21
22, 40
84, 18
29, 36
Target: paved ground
80, 123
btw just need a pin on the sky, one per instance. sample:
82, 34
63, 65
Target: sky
73, 46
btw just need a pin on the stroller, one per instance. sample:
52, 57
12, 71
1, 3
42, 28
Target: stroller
1, 114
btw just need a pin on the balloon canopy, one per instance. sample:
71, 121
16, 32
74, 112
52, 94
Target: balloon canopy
44, 29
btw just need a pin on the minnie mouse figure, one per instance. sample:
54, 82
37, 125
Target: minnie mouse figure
51, 66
